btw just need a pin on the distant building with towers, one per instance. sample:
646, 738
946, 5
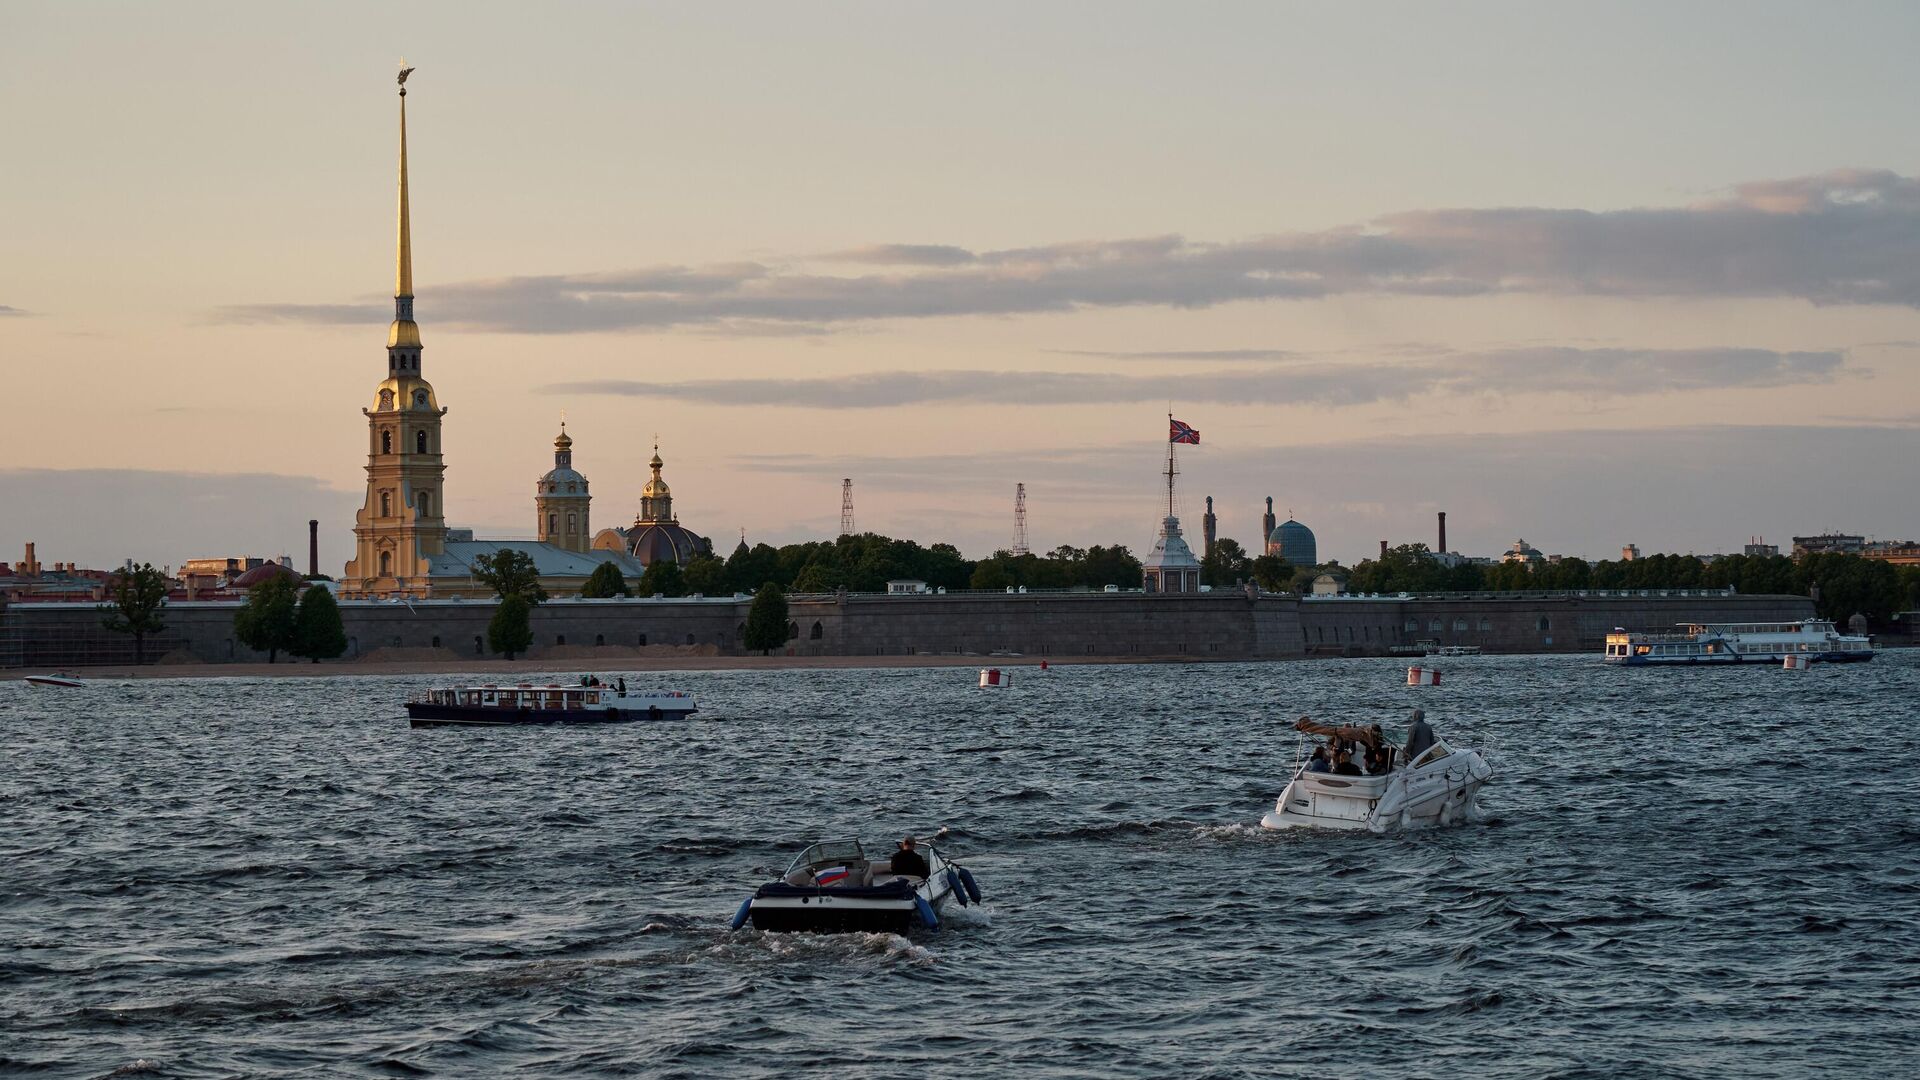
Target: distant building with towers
1291, 541
657, 533
403, 548
561, 501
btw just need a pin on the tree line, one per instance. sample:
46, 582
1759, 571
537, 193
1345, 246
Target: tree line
865, 563
1843, 585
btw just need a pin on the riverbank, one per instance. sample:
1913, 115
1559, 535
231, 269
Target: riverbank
516, 670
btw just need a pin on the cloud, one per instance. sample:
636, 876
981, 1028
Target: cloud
1590, 372
5, 311
1221, 355
1849, 236
906, 255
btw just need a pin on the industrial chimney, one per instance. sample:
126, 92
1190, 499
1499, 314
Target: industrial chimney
313, 547
1443, 532
1383, 549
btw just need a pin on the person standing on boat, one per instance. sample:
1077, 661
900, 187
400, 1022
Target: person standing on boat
1419, 736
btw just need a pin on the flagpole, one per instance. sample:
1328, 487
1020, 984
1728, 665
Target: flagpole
1169, 464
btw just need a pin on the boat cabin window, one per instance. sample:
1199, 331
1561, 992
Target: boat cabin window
829, 852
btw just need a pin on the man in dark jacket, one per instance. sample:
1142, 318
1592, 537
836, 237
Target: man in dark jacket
910, 862
1419, 737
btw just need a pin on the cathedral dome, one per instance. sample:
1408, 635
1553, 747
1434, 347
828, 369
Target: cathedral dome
562, 479
263, 572
651, 543
1294, 543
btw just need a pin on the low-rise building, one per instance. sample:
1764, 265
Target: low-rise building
1828, 544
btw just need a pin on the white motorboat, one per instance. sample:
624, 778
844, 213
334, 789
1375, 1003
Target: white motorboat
1437, 788
833, 887
61, 681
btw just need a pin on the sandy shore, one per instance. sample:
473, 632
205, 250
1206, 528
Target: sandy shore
303, 670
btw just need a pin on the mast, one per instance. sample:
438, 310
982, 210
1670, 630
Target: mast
1171, 470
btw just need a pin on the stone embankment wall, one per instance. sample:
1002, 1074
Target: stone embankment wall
1218, 625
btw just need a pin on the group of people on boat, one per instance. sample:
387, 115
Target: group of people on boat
1377, 756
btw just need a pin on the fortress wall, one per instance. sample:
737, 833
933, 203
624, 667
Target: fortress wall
1523, 624
1204, 626
1225, 624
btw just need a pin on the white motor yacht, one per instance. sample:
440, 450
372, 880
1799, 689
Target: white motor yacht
1437, 788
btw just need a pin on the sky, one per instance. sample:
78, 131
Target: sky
1646, 274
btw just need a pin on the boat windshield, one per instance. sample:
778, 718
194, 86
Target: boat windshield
829, 851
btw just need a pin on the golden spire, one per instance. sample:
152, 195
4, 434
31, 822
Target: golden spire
403, 284
404, 333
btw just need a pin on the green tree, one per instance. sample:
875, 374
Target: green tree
767, 620
1106, 566
748, 567
1227, 564
706, 575
992, 573
662, 577
318, 633
821, 574
138, 595
605, 581
1274, 573
265, 622
510, 572
511, 630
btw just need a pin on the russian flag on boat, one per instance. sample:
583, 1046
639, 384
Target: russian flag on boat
830, 875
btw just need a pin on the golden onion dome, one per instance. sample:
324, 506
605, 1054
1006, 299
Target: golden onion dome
403, 393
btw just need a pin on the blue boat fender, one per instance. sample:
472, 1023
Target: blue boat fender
953, 886
740, 917
927, 916
966, 879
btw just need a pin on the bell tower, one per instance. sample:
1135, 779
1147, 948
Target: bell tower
560, 500
401, 525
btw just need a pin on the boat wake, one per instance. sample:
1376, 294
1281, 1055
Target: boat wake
756, 946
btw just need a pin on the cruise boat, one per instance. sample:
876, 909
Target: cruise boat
834, 887
1738, 643
1439, 787
525, 703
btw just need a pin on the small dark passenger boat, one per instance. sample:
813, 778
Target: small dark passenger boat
832, 887
502, 706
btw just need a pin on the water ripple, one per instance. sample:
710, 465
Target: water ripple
1682, 874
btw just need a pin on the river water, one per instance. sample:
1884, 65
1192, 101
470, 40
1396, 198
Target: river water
1685, 873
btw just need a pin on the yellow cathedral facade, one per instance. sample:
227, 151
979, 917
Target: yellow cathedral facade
402, 547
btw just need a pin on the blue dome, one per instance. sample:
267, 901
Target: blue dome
1293, 542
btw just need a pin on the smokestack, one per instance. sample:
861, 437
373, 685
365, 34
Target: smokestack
1383, 549
313, 547
1443, 531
